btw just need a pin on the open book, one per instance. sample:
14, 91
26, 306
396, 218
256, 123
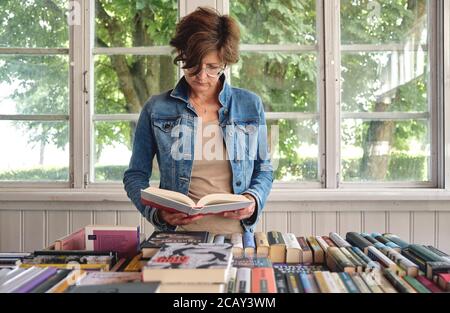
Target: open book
173, 201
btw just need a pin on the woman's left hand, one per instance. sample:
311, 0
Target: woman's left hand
242, 213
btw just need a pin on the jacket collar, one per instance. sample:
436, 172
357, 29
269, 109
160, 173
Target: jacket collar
181, 91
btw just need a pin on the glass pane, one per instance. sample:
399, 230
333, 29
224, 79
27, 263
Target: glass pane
394, 81
113, 142
149, 75
34, 24
285, 82
384, 21
36, 151
386, 150
34, 85
276, 22
294, 149
140, 23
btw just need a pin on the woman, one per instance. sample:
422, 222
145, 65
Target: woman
176, 123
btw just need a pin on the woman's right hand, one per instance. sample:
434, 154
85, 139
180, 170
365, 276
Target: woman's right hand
176, 219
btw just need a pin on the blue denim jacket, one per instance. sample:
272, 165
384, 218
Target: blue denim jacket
166, 128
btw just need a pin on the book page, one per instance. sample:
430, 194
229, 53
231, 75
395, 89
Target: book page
173, 195
221, 198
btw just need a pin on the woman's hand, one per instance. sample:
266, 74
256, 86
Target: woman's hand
242, 213
176, 219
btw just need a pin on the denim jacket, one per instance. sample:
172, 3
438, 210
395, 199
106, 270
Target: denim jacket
166, 128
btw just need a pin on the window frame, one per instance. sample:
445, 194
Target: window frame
81, 53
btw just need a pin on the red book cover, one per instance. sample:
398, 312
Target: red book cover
428, 284
263, 280
123, 240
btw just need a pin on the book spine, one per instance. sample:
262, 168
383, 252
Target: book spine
425, 254
357, 257
355, 263
415, 284
248, 240
55, 279
428, 284
371, 283
411, 268
365, 258
329, 242
291, 241
36, 281
231, 284
332, 286
396, 281
357, 240
219, 239
262, 244
292, 283
280, 281
263, 280
275, 238
339, 283
321, 283
397, 240
376, 255
322, 243
306, 283
243, 280
339, 241
318, 253
348, 282
343, 263
386, 242
415, 259
359, 282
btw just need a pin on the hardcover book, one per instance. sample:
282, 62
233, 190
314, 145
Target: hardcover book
152, 245
184, 263
122, 239
173, 201
151, 287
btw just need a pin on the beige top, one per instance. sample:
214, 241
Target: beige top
211, 173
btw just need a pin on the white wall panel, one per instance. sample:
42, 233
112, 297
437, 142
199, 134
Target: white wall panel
349, 221
34, 230
400, 224
324, 223
276, 221
444, 231
105, 217
301, 224
79, 219
374, 222
57, 225
424, 228
10, 231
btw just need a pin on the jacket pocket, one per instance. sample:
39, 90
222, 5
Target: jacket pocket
163, 130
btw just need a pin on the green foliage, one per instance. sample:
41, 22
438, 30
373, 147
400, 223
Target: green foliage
287, 82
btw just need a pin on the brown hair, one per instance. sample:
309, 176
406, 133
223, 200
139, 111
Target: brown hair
203, 31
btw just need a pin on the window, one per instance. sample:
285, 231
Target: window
280, 62
352, 88
132, 61
34, 91
386, 106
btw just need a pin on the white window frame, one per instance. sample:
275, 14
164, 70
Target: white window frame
47, 117
81, 53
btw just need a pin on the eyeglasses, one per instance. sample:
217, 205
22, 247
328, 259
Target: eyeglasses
211, 70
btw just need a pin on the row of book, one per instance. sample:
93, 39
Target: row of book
111, 257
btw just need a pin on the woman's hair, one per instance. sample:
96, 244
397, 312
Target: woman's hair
204, 31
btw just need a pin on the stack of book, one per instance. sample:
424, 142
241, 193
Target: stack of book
202, 262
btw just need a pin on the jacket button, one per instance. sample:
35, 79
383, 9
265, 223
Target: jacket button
225, 112
238, 183
167, 126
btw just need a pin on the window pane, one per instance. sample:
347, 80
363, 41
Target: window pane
294, 149
285, 82
34, 24
34, 85
385, 68
276, 22
135, 23
386, 150
113, 141
124, 82
383, 21
385, 82
36, 151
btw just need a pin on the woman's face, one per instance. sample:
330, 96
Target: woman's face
202, 82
